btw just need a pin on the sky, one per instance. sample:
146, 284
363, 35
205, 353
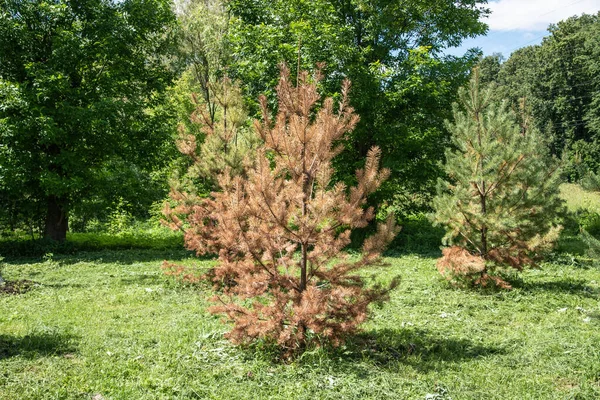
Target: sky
518, 23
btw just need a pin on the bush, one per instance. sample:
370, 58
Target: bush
591, 182
418, 235
156, 239
589, 221
592, 246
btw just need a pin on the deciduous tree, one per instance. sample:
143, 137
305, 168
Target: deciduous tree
561, 80
79, 86
391, 50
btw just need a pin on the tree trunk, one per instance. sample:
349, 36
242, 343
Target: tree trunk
57, 222
484, 247
303, 269
482, 190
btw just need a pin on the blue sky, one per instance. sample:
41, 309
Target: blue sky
518, 23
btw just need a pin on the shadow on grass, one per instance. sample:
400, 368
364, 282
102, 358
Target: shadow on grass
387, 348
123, 257
577, 287
137, 279
36, 345
143, 279
60, 285
595, 315
418, 348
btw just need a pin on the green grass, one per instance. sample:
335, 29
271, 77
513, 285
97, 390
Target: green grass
154, 239
110, 324
583, 214
576, 198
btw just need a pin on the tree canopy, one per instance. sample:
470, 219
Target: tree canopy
79, 86
280, 228
392, 51
560, 80
500, 203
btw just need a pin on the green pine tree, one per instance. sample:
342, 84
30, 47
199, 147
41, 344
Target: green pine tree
217, 138
500, 203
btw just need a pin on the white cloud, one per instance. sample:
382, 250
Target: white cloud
535, 15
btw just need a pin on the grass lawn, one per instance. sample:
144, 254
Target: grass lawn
576, 198
109, 325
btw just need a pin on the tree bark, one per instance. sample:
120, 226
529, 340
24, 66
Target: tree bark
484, 227
482, 189
57, 219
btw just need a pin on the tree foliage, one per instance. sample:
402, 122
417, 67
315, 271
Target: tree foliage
80, 85
280, 228
403, 86
500, 204
205, 49
560, 80
219, 141
212, 115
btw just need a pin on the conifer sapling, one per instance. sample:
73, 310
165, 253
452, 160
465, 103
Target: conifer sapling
280, 228
227, 143
500, 203
222, 142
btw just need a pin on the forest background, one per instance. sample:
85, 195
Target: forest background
95, 95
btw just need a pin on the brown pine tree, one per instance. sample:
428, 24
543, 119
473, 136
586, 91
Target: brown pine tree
280, 229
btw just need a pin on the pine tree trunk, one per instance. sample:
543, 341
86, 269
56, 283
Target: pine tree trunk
482, 190
484, 227
304, 245
57, 222
303, 268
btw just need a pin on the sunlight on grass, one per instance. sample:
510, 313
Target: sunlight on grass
576, 198
111, 324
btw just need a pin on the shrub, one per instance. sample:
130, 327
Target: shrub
592, 246
591, 182
589, 221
